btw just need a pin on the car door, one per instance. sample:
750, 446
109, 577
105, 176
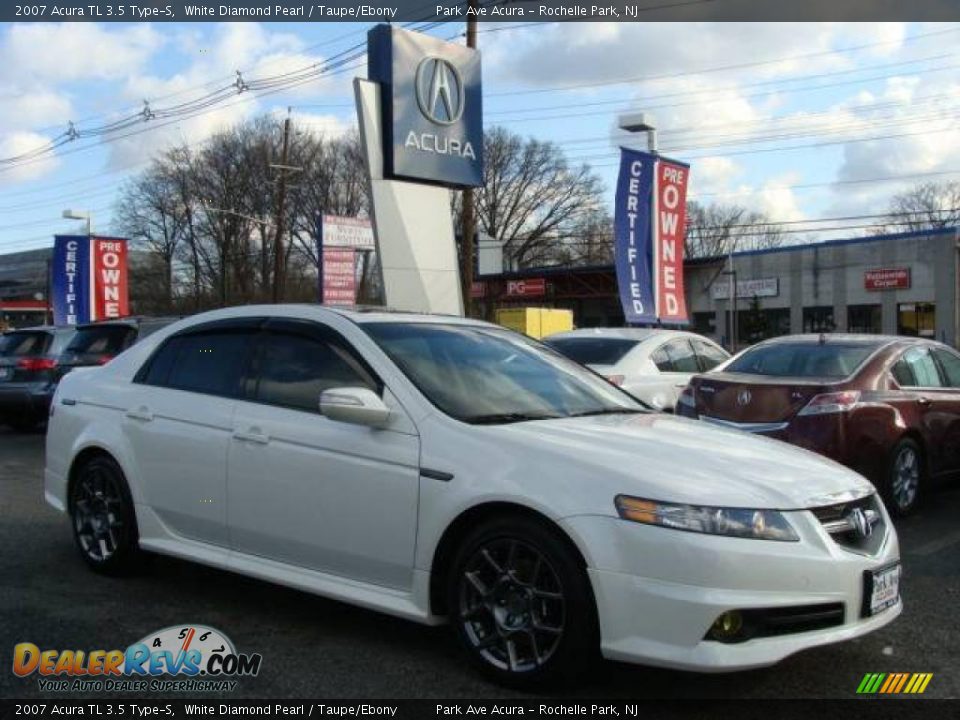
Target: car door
179, 425
927, 401
949, 402
313, 492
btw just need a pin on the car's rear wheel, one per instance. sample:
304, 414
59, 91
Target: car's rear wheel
520, 602
904, 477
101, 510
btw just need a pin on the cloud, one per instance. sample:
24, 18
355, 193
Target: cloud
18, 143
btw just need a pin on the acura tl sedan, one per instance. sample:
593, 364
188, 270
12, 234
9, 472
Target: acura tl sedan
888, 407
442, 469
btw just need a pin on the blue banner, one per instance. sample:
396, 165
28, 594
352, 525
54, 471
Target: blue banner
70, 280
633, 236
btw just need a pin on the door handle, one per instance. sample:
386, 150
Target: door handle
253, 435
140, 413
923, 401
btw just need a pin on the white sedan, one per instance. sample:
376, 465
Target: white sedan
441, 469
651, 364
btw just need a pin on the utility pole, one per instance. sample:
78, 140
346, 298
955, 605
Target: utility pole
278, 252
468, 218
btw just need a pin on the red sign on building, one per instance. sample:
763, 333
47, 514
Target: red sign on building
532, 287
887, 279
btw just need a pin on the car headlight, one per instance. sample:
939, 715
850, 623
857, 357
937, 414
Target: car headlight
734, 522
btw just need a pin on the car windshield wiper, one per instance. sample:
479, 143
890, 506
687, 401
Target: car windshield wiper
610, 411
510, 417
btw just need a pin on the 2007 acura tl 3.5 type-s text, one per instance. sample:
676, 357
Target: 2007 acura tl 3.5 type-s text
438, 468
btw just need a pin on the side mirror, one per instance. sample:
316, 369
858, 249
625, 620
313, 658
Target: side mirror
357, 405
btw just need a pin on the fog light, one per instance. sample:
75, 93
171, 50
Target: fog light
727, 627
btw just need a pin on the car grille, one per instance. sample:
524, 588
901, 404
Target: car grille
856, 525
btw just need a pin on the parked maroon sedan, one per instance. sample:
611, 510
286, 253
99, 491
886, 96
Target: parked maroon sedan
888, 407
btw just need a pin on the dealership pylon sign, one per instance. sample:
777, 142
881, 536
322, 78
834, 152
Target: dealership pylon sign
649, 227
88, 279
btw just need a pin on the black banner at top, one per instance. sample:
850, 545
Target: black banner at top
487, 11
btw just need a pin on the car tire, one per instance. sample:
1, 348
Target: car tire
905, 480
102, 516
521, 604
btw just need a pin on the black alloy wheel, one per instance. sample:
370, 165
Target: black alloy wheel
101, 510
905, 477
521, 603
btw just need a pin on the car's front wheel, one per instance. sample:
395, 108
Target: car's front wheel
520, 602
102, 515
905, 476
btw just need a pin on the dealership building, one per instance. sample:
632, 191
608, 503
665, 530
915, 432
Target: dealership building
905, 284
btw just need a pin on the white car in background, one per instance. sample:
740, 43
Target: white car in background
438, 468
651, 364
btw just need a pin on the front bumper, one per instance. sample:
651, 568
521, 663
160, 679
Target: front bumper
658, 591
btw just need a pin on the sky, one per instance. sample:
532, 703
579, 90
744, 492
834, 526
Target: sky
802, 121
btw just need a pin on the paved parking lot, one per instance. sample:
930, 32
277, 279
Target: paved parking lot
319, 648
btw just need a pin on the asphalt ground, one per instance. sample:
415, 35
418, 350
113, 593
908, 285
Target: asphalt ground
318, 648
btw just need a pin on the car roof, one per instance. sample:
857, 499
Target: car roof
637, 334
842, 339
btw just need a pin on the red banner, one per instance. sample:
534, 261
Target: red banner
534, 287
887, 279
110, 298
671, 221
339, 276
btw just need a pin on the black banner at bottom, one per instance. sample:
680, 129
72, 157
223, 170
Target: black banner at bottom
527, 708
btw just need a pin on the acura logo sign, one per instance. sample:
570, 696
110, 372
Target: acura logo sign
744, 397
439, 91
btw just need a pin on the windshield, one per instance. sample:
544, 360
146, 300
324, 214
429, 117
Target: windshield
593, 350
814, 360
101, 339
19, 344
487, 375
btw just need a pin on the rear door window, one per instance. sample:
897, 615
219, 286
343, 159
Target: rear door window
950, 364
682, 357
922, 367
205, 362
710, 355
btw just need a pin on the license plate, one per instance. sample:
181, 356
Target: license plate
882, 589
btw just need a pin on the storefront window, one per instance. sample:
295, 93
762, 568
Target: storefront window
864, 319
754, 324
818, 319
704, 323
916, 319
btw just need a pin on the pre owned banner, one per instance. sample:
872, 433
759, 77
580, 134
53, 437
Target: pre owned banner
88, 279
649, 226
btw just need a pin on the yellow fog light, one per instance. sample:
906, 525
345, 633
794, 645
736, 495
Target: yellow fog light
728, 626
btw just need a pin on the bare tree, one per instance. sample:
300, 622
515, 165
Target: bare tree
717, 229
531, 199
927, 206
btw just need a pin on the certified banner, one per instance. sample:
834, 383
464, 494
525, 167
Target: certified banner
633, 236
88, 279
649, 227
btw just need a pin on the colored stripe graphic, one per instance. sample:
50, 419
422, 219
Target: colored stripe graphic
894, 683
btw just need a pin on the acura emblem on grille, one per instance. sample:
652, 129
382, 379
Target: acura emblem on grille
861, 524
744, 397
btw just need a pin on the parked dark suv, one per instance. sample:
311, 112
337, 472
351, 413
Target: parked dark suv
98, 343
28, 373
888, 407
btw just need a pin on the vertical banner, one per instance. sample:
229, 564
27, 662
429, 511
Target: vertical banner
70, 279
109, 259
339, 276
671, 211
633, 241
88, 279
648, 234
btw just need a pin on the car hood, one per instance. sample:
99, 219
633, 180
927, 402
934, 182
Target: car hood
662, 457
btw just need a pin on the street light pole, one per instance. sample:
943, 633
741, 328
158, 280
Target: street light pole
278, 259
80, 215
